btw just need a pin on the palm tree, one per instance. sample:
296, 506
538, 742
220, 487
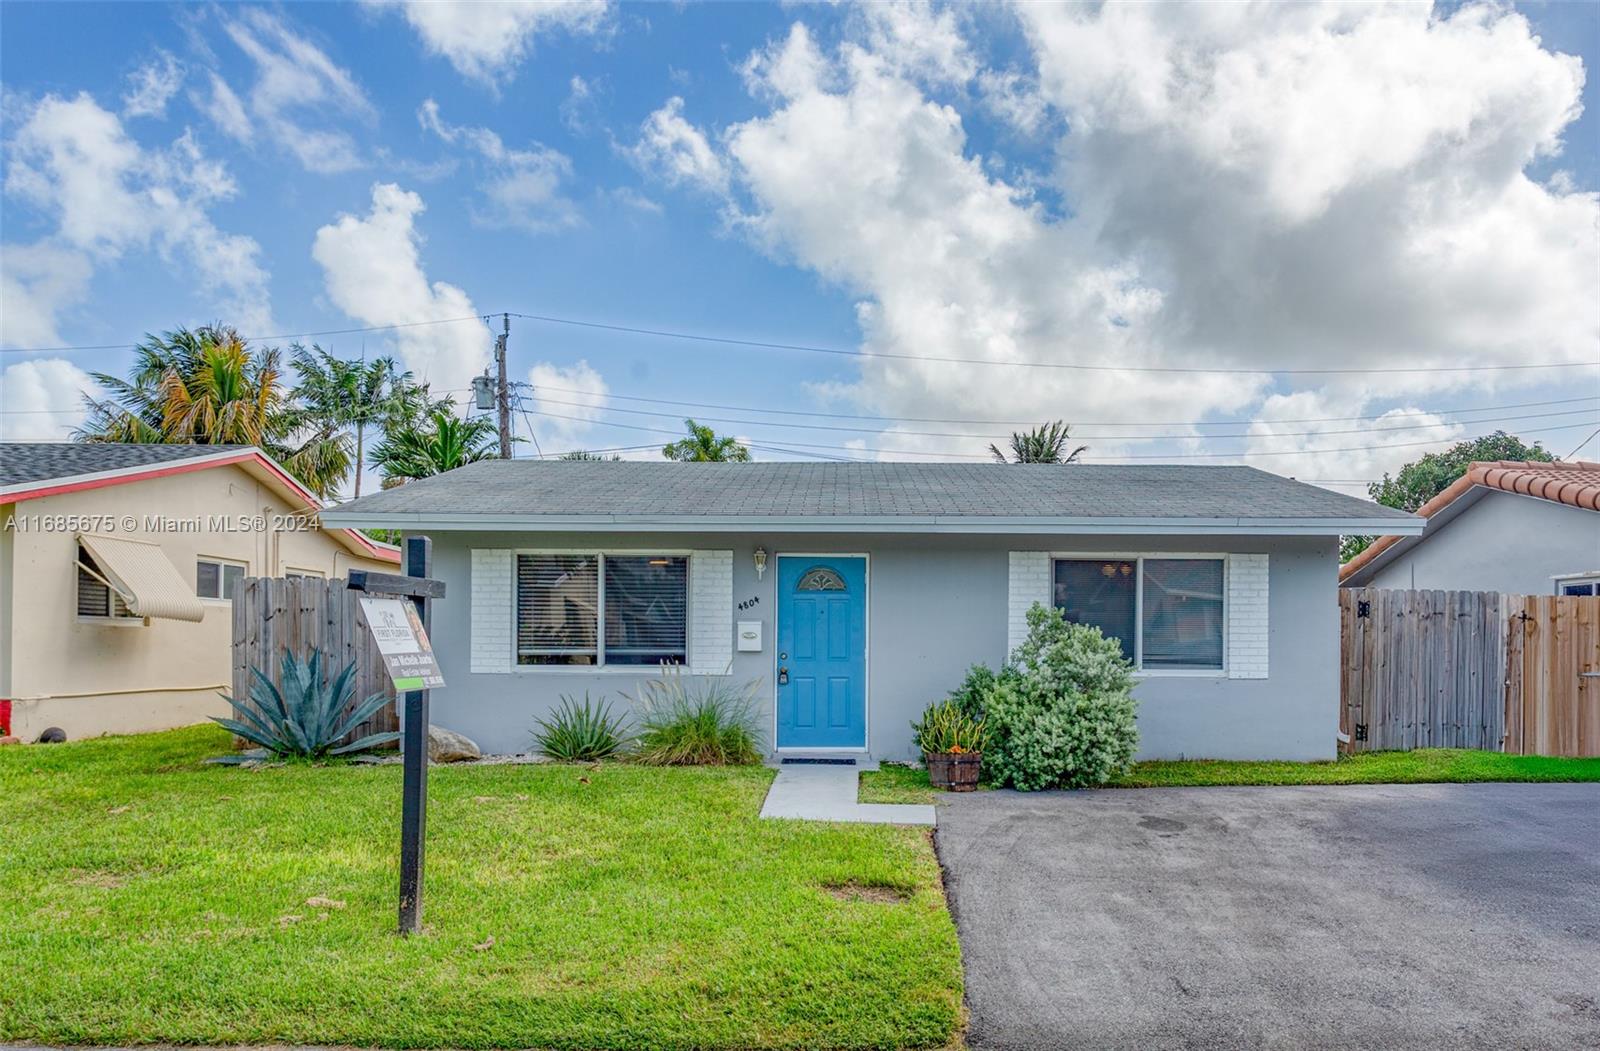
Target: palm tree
208, 387
1043, 444
444, 443
705, 445
335, 394
585, 454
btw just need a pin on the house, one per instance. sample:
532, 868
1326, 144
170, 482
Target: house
857, 593
1523, 527
117, 566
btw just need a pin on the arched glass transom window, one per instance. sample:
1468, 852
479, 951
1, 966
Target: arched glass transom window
820, 579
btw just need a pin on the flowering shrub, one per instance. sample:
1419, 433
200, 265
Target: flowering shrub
1061, 713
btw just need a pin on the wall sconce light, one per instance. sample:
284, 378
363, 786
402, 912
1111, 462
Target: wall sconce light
761, 562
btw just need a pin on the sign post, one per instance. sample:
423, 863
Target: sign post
401, 632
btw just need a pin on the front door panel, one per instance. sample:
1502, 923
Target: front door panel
822, 651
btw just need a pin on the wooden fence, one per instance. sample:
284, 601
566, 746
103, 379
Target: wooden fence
1470, 669
271, 616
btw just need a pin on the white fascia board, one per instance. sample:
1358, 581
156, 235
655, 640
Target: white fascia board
490, 523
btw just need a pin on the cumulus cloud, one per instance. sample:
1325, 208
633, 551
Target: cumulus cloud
372, 269
297, 88
108, 196
1276, 187
151, 87
42, 400
1369, 448
677, 151
523, 188
485, 41
574, 395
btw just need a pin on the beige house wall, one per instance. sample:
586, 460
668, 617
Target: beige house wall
93, 676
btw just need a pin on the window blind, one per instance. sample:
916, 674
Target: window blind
557, 609
1182, 613
1100, 593
646, 609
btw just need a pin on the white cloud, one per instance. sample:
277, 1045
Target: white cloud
151, 87
1290, 186
485, 41
1369, 447
296, 82
73, 161
372, 268
578, 110
524, 188
677, 151
576, 391
42, 400
227, 112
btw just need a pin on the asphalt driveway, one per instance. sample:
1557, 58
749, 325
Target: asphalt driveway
1393, 916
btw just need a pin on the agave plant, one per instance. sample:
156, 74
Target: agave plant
304, 718
580, 733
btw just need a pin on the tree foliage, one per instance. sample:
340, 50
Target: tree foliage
705, 445
1046, 443
1421, 480
443, 443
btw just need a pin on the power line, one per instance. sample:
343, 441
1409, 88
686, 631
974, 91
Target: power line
1076, 435
1581, 444
1029, 422
867, 354
843, 352
985, 456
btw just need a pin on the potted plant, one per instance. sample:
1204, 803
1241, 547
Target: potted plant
952, 745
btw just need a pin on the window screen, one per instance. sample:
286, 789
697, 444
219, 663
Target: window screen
1182, 613
1099, 592
557, 609
646, 602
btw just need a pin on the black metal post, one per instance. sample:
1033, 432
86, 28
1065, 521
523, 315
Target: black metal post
414, 752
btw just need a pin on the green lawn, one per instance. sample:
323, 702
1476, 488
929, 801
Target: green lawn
901, 784
151, 898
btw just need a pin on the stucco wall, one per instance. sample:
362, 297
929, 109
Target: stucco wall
92, 677
937, 604
1503, 542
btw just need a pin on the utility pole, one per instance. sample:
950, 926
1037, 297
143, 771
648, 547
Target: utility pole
503, 391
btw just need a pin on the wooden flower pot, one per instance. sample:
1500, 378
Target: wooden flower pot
953, 771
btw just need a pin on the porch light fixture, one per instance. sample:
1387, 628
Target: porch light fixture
761, 562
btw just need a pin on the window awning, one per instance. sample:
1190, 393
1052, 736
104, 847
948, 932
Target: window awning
145, 578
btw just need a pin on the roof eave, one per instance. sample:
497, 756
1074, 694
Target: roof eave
420, 521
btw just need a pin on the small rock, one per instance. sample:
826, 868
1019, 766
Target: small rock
10, 739
53, 735
447, 746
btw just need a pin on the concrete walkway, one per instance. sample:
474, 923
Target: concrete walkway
825, 792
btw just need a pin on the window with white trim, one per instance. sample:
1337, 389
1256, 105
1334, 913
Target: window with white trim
563, 600
96, 597
1168, 613
1587, 585
217, 578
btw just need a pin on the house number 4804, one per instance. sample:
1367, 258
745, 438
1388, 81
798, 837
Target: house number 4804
750, 603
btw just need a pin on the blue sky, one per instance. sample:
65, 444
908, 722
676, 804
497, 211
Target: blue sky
1159, 188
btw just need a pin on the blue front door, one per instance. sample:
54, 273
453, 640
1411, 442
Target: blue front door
822, 651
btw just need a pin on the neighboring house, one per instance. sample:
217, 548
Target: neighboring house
1523, 527
117, 565
858, 593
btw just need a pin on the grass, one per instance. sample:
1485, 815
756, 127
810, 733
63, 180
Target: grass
903, 784
151, 898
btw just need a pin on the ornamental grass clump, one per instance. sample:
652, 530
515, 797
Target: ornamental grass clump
947, 729
689, 720
305, 718
1061, 713
580, 733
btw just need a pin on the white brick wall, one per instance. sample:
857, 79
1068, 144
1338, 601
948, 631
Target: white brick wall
493, 616
1247, 616
1030, 583
710, 612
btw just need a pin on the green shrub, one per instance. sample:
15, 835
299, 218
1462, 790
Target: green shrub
1061, 714
696, 721
970, 694
580, 733
946, 727
305, 718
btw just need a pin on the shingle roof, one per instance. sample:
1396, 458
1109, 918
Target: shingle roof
704, 492
43, 461
1576, 484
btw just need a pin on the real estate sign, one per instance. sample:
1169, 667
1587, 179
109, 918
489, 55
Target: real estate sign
398, 632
